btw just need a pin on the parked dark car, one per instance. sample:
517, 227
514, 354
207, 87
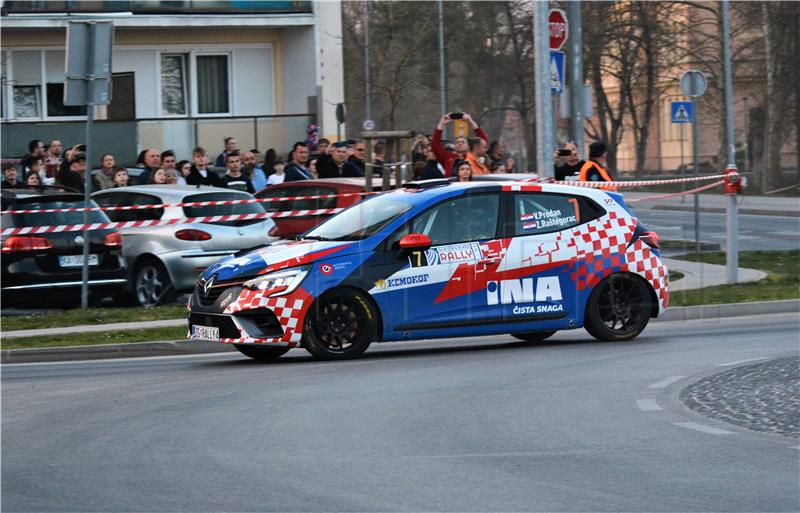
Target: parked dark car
49, 265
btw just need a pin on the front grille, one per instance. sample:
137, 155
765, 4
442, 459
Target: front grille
227, 328
208, 299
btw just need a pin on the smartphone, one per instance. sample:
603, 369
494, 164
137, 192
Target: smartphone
81, 147
456, 115
564, 153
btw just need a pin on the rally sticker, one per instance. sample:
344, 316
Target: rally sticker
401, 282
466, 252
326, 269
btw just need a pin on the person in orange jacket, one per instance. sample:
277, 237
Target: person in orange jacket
594, 169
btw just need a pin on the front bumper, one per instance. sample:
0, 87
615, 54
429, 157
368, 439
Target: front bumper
245, 316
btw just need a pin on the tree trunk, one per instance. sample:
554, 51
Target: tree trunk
773, 129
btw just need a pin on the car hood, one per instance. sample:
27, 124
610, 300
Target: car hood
276, 256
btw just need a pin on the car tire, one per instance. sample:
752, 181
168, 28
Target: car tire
340, 324
151, 284
533, 336
618, 308
261, 353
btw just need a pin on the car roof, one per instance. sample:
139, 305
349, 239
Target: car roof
170, 192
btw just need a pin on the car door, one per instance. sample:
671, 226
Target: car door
537, 281
442, 286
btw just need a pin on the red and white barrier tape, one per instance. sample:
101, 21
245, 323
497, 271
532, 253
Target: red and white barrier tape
638, 183
190, 204
672, 195
29, 230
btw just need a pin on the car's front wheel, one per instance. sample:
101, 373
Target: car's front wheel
618, 308
340, 324
533, 336
261, 353
151, 284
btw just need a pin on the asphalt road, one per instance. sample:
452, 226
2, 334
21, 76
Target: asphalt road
756, 232
469, 425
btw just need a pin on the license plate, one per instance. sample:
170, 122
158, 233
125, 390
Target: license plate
205, 332
76, 260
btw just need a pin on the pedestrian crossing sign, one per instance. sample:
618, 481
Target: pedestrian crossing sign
682, 112
556, 72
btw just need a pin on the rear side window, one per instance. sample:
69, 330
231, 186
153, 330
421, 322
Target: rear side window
223, 210
52, 218
299, 204
536, 213
125, 199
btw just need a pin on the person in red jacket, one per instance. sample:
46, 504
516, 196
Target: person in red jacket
461, 146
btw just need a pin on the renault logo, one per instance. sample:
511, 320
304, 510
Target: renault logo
207, 285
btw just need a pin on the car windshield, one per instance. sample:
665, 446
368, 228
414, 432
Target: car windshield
361, 220
223, 210
53, 218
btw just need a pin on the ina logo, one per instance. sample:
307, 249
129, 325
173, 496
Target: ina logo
507, 292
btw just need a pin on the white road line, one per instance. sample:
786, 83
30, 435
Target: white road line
705, 429
648, 405
664, 383
737, 362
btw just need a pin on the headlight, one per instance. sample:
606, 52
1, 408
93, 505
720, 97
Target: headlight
282, 282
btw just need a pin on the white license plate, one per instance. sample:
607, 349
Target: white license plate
76, 260
205, 332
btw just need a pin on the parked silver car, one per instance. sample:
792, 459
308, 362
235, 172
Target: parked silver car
166, 260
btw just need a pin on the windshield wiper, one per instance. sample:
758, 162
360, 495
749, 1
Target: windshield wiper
312, 237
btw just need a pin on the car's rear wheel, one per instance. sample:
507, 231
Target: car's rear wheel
618, 308
533, 336
151, 284
261, 353
340, 324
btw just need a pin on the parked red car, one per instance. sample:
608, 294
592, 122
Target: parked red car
289, 227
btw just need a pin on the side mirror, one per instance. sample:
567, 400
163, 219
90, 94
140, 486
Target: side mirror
415, 241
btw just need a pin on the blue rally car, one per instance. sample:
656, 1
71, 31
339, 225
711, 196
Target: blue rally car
440, 259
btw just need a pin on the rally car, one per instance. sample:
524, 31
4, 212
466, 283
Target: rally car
440, 259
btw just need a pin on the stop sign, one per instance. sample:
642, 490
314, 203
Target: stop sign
557, 20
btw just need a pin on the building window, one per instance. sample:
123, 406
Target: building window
26, 101
212, 84
173, 85
55, 103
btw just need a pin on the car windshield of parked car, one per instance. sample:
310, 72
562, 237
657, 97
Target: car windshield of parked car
52, 218
361, 220
223, 210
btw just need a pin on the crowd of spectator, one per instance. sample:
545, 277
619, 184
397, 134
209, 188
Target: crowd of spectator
432, 157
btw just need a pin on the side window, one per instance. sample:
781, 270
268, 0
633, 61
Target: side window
114, 200
147, 214
278, 206
315, 203
536, 213
463, 219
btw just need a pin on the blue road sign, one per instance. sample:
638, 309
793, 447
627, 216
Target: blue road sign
556, 71
682, 112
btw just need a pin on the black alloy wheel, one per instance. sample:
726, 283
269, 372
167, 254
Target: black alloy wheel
533, 336
151, 284
340, 324
618, 308
262, 353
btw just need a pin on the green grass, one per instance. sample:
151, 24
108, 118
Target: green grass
675, 276
782, 281
103, 337
78, 317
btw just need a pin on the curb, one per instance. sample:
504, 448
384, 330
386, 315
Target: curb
186, 347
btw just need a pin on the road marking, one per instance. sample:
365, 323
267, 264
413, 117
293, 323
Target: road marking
737, 362
705, 429
648, 405
664, 383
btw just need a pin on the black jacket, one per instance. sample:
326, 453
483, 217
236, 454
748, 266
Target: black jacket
212, 178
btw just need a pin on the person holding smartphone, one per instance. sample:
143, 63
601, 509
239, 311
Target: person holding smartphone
567, 161
461, 145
